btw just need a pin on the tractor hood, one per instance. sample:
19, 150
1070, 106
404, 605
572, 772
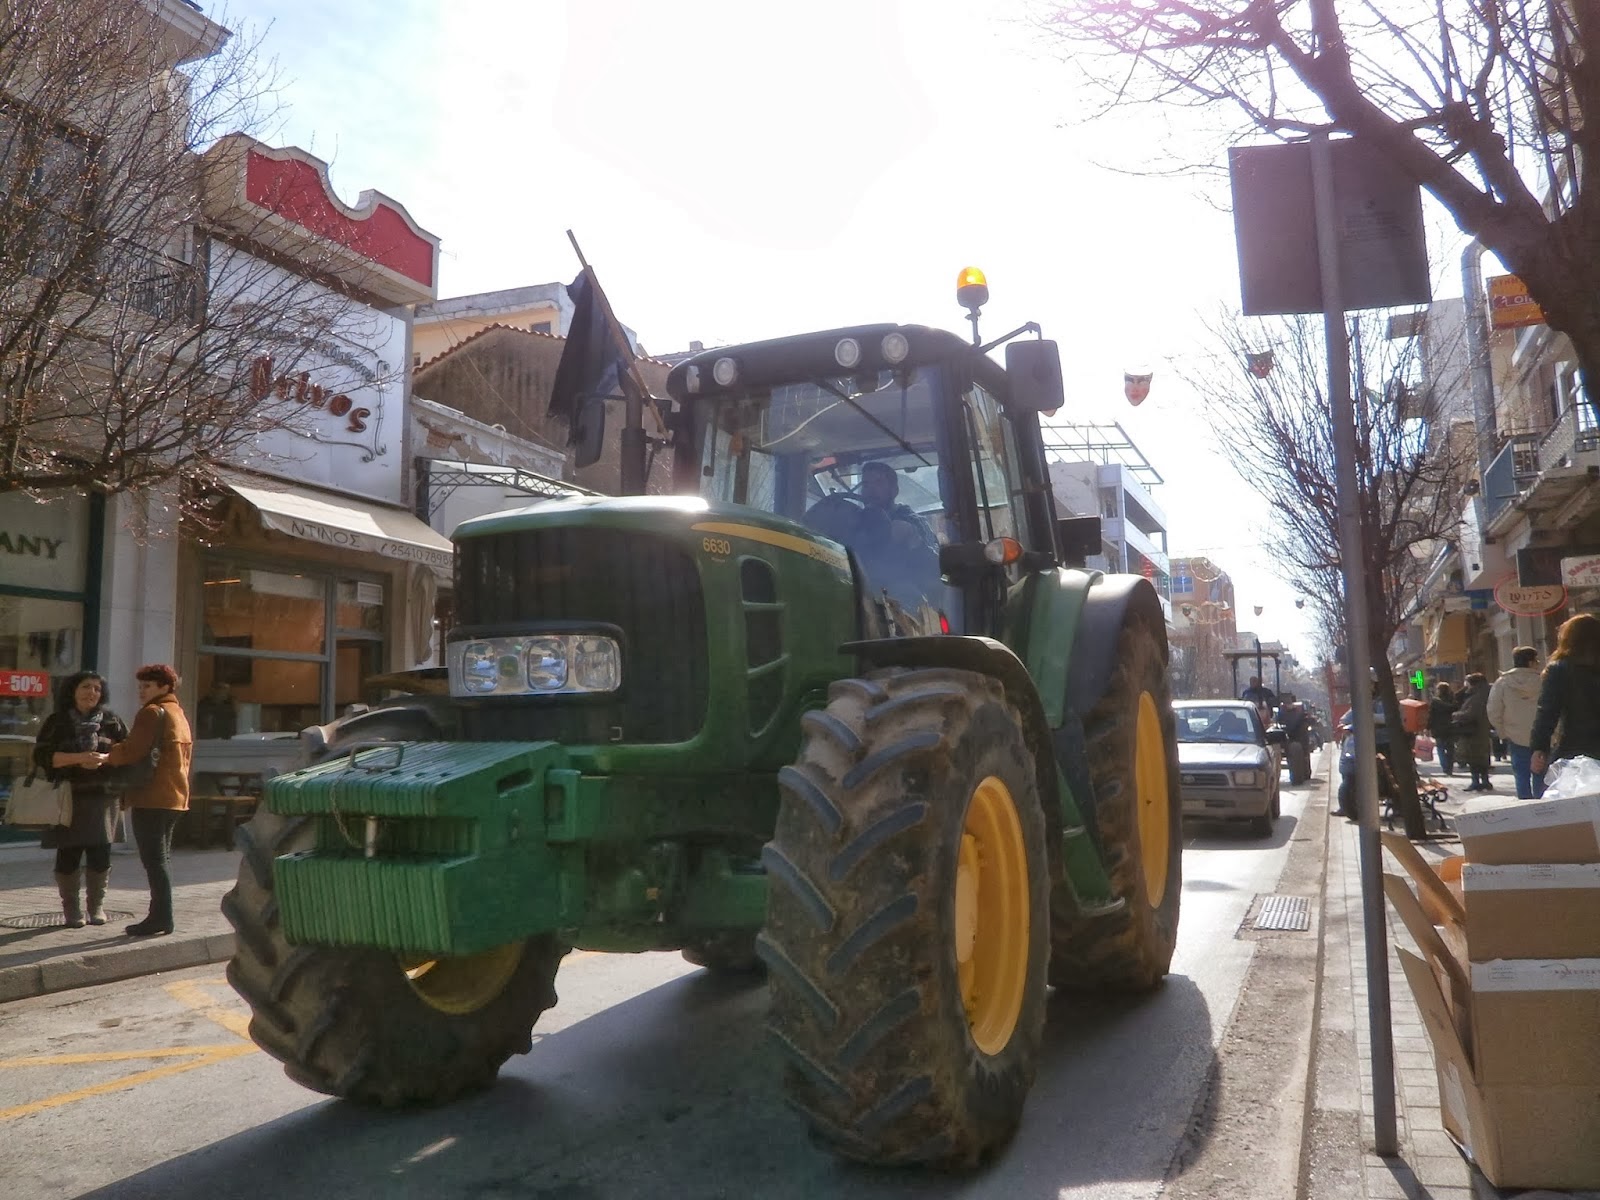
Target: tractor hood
718, 531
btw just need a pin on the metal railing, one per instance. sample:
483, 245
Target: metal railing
1574, 433
167, 289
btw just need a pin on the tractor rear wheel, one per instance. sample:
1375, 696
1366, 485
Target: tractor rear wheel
1133, 763
908, 921
364, 1024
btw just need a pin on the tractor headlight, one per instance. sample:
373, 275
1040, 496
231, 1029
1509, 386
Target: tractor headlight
548, 664
1247, 778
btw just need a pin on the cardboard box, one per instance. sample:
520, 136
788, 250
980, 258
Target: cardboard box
1539, 1135
1500, 830
1546, 910
1537, 1021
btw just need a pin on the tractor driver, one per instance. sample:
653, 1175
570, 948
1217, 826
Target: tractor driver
895, 546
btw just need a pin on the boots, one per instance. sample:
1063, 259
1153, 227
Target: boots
95, 887
71, 908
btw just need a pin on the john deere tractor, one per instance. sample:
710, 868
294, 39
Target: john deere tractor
847, 710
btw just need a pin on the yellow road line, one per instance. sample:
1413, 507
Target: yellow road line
190, 994
104, 1056
215, 1055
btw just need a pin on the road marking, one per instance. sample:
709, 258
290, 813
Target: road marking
207, 1055
192, 995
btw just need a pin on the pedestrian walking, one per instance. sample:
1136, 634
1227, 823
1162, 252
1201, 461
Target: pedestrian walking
159, 729
1471, 724
1513, 700
1440, 709
67, 749
1569, 696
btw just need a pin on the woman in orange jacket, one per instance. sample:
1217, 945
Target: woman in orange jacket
157, 804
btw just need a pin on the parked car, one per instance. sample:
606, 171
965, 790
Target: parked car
1227, 767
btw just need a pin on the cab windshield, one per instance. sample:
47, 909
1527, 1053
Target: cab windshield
858, 459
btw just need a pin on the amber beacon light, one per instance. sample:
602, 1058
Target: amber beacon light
972, 293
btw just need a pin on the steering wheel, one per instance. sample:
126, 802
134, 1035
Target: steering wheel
835, 516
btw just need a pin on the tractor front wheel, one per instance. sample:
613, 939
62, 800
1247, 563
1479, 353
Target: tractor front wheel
908, 922
1132, 750
365, 1024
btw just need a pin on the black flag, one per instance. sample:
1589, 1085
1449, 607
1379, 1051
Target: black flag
592, 361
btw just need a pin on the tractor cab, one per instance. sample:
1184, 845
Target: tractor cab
905, 446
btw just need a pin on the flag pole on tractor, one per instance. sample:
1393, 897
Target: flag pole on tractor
596, 363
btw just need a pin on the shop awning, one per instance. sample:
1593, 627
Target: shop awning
342, 522
1448, 640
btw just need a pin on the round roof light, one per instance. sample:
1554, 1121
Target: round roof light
847, 353
895, 348
725, 371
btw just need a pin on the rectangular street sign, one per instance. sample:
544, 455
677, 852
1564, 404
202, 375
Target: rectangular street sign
1383, 250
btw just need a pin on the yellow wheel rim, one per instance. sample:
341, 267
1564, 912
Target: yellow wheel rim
1154, 801
463, 985
991, 916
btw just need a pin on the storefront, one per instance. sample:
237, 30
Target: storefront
49, 613
305, 573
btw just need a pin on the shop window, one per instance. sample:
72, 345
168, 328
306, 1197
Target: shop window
283, 648
41, 643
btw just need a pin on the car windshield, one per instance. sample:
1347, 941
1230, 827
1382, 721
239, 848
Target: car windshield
1216, 723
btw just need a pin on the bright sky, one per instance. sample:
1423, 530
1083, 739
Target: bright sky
737, 171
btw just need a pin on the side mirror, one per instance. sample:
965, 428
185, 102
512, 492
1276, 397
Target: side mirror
1079, 538
589, 431
1033, 370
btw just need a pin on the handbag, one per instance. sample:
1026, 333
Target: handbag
36, 803
137, 774
1423, 748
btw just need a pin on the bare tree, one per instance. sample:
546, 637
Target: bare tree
140, 344
1481, 102
1276, 428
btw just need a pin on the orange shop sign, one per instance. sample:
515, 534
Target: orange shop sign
1510, 306
1532, 601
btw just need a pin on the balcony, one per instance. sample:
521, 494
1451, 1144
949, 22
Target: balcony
1573, 441
1510, 474
152, 284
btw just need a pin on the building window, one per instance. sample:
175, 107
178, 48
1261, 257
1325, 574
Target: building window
542, 327
283, 647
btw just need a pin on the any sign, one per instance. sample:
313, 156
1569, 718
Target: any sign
1529, 601
1581, 572
24, 683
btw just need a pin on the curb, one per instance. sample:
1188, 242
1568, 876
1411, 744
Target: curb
170, 953
1252, 1118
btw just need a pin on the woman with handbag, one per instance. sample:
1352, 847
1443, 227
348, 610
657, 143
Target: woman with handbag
67, 751
155, 758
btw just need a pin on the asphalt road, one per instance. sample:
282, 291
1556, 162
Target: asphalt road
649, 1079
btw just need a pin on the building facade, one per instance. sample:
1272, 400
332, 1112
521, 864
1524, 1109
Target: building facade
1204, 625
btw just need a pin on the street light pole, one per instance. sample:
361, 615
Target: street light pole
1352, 557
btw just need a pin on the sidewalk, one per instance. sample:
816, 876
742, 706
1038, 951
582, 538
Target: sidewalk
1338, 1163
38, 954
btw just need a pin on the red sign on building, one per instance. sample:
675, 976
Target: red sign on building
24, 683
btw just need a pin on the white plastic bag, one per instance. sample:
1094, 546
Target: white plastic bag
1568, 777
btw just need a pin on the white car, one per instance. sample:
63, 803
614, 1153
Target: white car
1227, 769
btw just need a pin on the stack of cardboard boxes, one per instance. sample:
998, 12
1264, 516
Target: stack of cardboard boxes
1509, 985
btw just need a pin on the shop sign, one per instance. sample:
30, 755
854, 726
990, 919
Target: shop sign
43, 543
1582, 571
27, 684
1510, 306
1529, 601
334, 376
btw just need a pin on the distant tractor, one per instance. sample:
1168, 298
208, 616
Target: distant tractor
1287, 715
847, 710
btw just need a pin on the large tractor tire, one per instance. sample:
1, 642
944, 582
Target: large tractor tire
1132, 749
363, 1024
908, 921
1299, 755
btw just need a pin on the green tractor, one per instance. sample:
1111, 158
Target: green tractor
847, 710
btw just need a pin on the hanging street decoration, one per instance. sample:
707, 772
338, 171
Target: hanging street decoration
1135, 387
1260, 364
